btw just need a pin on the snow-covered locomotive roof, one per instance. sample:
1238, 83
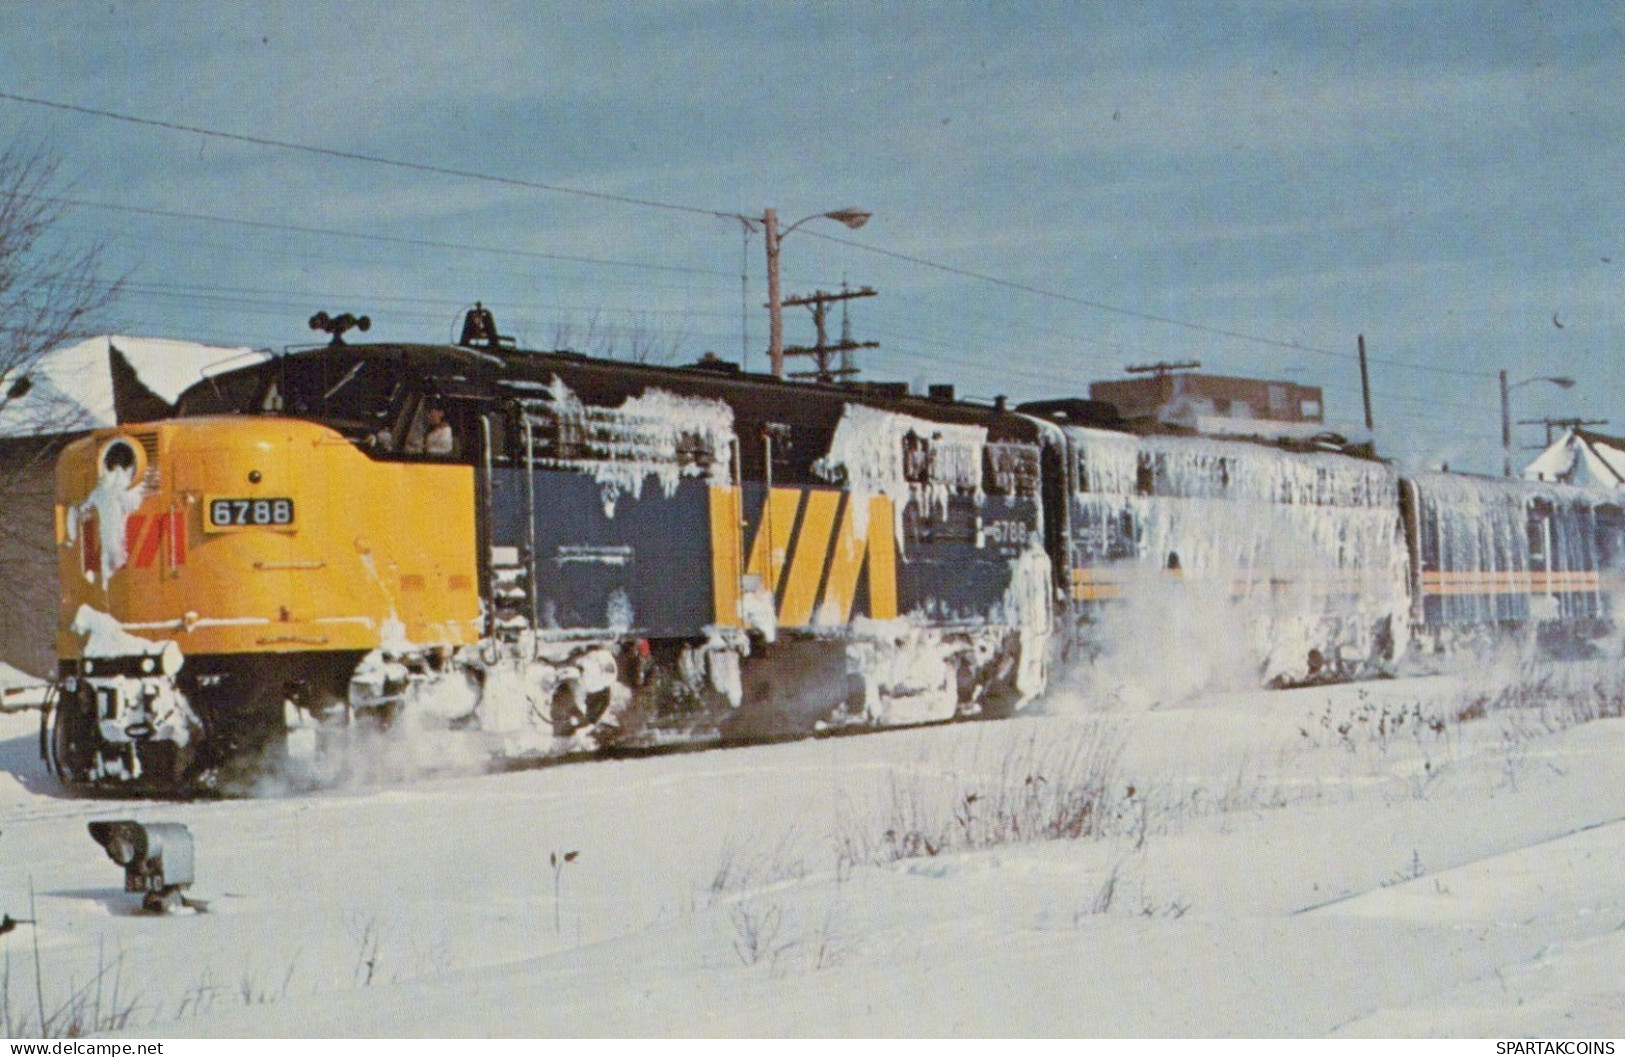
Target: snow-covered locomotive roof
457, 372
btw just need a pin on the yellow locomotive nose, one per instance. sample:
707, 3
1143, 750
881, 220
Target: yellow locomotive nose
235, 543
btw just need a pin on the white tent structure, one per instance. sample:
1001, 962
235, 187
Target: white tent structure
106, 380
1581, 457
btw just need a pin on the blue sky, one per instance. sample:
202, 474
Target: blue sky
1251, 185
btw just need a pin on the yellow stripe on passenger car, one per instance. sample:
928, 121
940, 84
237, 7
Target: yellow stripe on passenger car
827, 542
779, 522
1491, 581
725, 532
807, 564
1096, 583
846, 561
882, 559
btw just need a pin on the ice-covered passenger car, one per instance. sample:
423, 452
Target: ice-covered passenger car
1492, 557
1297, 554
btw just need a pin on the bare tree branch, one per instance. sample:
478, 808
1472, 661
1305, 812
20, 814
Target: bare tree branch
51, 290
52, 294
640, 342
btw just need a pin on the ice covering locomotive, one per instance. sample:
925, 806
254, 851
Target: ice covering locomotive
560, 554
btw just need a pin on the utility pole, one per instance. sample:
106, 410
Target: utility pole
1161, 369
1506, 428
1561, 423
775, 309
818, 303
1506, 412
1365, 386
1159, 372
773, 236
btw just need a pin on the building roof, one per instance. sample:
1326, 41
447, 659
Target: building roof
1581, 457
106, 380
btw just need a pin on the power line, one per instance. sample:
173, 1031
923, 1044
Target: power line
674, 207
263, 295
375, 159
1168, 320
302, 229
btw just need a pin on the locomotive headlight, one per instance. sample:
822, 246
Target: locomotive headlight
121, 454
156, 856
171, 659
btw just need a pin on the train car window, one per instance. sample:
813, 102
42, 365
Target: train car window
1145, 474
1610, 536
553, 437
692, 450
348, 376
567, 433
1102, 535
1010, 469
916, 458
499, 444
781, 441
569, 437
1537, 540
1427, 535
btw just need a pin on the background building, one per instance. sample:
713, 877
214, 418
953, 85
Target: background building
1186, 398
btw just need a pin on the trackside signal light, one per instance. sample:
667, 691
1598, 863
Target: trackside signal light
157, 860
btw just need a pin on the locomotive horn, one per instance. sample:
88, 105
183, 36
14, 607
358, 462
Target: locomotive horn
337, 325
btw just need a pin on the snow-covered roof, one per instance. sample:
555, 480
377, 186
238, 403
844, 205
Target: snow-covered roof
1581, 457
73, 388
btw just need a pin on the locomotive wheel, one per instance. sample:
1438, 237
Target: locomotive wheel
565, 713
72, 737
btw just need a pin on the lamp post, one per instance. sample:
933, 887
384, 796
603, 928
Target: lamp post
1506, 412
852, 218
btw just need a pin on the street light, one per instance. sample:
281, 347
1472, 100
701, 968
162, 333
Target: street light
852, 218
1506, 413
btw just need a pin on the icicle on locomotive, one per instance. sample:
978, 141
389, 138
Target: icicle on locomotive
559, 552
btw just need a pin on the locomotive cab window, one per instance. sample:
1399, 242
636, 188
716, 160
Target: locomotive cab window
355, 395
232, 394
433, 427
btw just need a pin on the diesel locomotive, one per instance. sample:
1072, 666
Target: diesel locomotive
564, 554
542, 547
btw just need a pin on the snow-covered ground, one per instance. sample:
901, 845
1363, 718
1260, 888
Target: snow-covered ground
19, 690
1415, 857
